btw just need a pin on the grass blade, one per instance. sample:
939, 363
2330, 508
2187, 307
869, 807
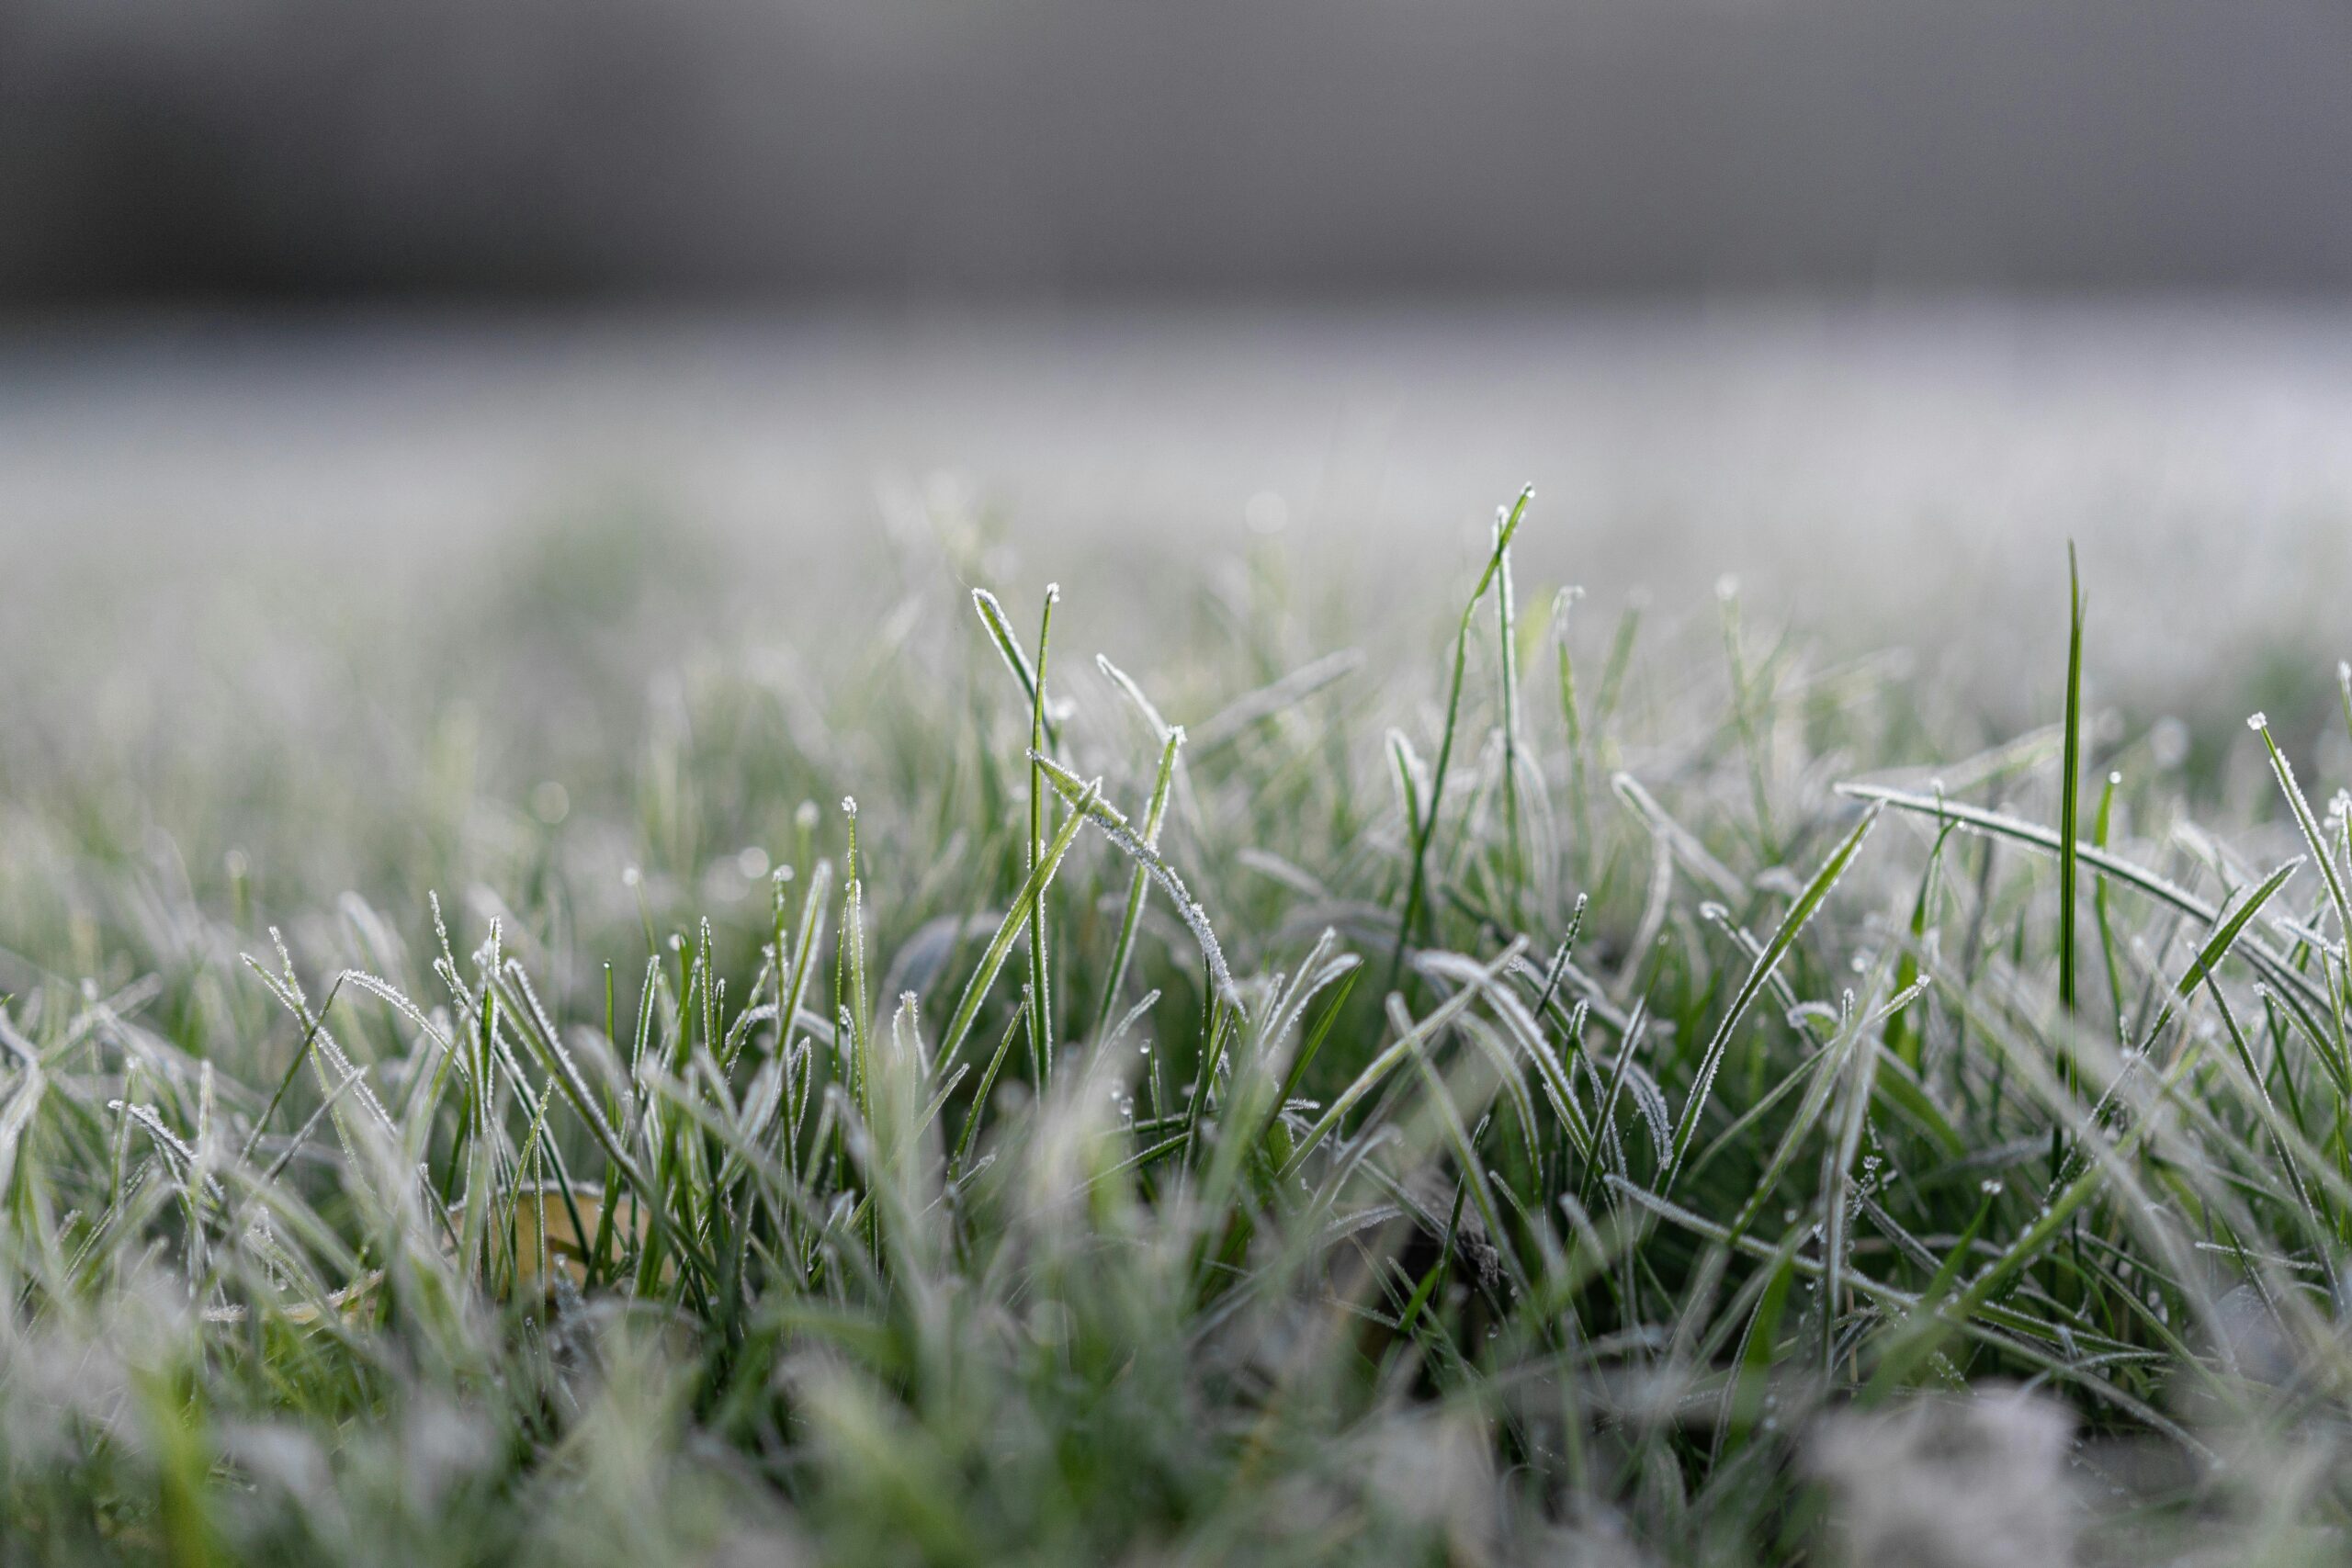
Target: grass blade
1792, 925
1416, 894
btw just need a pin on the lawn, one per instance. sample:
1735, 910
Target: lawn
578, 1071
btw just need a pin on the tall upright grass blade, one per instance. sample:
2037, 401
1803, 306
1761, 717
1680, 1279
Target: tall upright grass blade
1506, 660
1016, 914
1421, 832
1041, 1005
2070, 789
2102, 825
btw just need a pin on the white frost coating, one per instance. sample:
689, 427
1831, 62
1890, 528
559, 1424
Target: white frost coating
2258, 722
1134, 693
1109, 820
1194, 916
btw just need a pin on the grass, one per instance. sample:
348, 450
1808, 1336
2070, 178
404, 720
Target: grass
1106, 1139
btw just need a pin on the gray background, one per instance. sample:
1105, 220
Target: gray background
1051, 150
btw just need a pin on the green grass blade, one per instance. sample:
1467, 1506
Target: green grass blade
2309, 825
2070, 789
1395, 1056
1139, 884
1792, 925
1009, 929
1416, 894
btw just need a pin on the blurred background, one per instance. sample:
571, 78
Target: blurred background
1871, 303
885, 150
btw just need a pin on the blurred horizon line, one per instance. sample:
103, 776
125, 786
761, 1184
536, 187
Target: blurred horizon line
528, 313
